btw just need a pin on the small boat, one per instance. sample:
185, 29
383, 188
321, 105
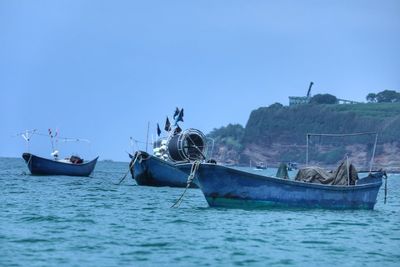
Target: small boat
228, 187
292, 166
260, 166
160, 169
178, 147
73, 166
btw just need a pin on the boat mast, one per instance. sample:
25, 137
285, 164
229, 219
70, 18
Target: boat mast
27, 135
343, 135
373, 152
147, 136
307, 137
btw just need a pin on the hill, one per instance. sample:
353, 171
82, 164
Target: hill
278, 133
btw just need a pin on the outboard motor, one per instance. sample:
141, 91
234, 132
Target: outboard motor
188, 145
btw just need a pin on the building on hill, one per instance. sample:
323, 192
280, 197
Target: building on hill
299, 100
303, 100
344, 101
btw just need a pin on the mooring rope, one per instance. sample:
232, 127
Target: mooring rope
27, 164
385, 175
131, 164
192, 175
347, 170
29, 160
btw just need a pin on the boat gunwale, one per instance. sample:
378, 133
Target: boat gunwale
286, 181
148, 157
60, 162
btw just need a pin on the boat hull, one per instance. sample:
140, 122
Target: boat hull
152, 171
227, 187
43, 166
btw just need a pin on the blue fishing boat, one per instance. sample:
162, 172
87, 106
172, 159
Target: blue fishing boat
73, 166
160, 169
228, 187
313, 187
150, 170
177, 147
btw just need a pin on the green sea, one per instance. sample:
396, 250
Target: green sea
77, 221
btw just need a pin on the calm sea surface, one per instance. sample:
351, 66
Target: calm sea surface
75, 221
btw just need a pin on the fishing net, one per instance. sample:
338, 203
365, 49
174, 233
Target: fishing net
345, 174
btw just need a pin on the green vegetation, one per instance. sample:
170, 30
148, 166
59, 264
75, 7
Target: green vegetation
386, 96
290, 125
324, 99
375, 110
230, 136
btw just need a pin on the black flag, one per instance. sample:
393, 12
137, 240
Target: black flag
178, 129
180, 116
167, 125
176, 113
158, 130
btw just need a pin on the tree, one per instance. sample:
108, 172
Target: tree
371, 97
235, 131
230, 135
324, 99
388, 96
276, 105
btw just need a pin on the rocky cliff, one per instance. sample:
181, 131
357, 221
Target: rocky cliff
277, 134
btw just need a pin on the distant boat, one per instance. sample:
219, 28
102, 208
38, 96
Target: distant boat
227, 187
291, 166
73, 166
258, 167
261, 166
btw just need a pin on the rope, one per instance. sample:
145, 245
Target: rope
29, 160
131, 164
385, 175
192, 175
27, 164
347, 170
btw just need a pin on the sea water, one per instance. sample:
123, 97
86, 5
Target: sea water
78, 221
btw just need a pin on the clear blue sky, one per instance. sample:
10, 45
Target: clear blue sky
102, 69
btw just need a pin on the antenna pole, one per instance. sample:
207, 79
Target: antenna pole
147, 136
373, 153
347, 169
27, 140
307, 150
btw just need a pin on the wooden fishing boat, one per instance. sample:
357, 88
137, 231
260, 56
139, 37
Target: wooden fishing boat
177, 147
228, 187
73, 166
160, 169
149, 170
313, 187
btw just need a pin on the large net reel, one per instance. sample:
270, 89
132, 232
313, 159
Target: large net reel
188, 145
